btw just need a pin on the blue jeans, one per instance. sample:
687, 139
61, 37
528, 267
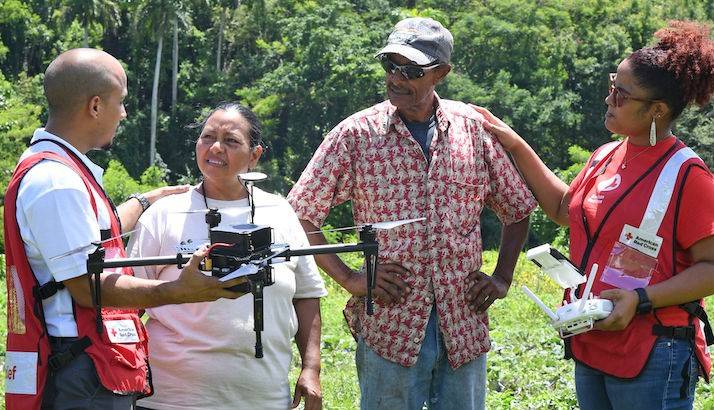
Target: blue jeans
657, 387
387, 385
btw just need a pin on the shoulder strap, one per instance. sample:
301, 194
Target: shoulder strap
600, 154
83, 169
26, 164
694, 308
663, 190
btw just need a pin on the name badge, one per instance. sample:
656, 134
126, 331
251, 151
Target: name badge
21, 372
643, 241
121, 331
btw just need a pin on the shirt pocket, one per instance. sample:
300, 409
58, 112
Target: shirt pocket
465, 202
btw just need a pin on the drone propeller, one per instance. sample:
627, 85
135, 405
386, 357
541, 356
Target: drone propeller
204, 210
241, 209
253, 176
393, 224
386, 225
90, 246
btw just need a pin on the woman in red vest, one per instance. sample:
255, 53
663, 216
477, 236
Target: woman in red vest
642, 211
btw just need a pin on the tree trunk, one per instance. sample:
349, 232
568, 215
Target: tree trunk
219, 49
174, 72
85, 37
155, 100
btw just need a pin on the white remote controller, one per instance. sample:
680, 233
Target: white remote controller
572, 320
555, 265
579, 315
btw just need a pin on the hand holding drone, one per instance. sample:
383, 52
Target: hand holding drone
244, 251
579, 315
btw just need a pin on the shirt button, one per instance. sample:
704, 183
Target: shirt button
417, 340
427, 299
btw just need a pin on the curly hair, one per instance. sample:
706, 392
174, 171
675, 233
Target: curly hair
679, 69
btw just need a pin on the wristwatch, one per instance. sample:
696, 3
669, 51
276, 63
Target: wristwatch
145, 204
645, 304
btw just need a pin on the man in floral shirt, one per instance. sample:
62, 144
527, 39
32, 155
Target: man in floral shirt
415, 156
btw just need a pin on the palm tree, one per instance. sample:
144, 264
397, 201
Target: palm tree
154, 15
90, 12
179, 16
226, 7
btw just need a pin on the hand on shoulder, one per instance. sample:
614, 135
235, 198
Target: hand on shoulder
505, 134
158, 193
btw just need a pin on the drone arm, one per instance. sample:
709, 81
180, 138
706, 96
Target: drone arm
117, 291
329, 262
178, 260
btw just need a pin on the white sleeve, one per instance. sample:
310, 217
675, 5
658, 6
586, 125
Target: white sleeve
58, 217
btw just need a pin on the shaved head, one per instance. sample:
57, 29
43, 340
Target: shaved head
77, 75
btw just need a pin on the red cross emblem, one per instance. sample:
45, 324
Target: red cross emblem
628, 236
114, 332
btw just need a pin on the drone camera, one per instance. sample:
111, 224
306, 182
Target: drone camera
247, 242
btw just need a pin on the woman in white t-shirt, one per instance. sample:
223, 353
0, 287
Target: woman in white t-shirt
202, 355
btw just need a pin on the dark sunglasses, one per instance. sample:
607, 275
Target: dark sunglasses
620, 96
409, 71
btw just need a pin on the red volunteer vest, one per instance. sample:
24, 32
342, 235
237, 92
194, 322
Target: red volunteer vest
121, 367
624, 353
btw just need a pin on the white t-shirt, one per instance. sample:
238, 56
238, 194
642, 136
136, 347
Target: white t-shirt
55, 215
202, 355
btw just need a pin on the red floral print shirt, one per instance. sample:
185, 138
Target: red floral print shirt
371, 159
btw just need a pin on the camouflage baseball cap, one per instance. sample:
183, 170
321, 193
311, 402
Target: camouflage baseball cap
422, 40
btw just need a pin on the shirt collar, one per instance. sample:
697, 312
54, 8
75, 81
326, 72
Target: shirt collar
394, 121
40, 133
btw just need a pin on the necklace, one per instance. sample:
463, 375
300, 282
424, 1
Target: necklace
213, 218
625, 160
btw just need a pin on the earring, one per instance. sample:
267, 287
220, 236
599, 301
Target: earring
653, 132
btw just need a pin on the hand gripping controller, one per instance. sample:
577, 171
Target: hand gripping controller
579, 315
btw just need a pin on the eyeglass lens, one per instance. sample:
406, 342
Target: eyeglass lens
616, 96
409, 71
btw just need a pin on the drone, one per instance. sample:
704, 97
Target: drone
246, 250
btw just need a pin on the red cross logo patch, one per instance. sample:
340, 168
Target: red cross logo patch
628, 236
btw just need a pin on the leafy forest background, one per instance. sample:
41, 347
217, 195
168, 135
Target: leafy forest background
303, 66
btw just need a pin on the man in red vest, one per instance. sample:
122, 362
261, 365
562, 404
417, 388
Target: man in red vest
69, 346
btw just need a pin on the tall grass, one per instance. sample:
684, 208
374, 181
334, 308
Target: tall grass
525, 365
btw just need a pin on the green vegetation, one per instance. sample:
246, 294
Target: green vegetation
525, 365
303, 66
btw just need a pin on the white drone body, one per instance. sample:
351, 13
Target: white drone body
579, 315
